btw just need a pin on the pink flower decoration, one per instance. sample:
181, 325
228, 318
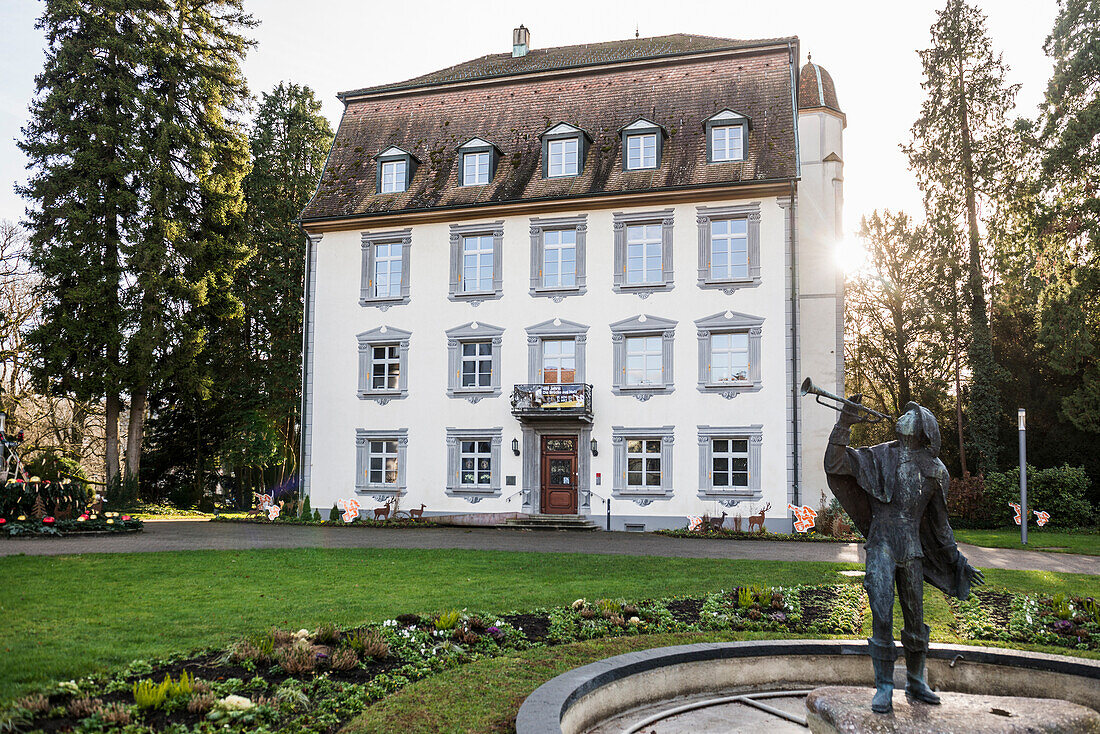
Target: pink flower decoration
48, 520
125, 517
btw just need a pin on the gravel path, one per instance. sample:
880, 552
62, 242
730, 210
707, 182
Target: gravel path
172, 535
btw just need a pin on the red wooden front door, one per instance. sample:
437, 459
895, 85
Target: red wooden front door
559, 475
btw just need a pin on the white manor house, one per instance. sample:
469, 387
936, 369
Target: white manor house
541, 280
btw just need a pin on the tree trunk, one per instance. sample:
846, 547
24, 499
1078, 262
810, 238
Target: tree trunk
113, 409
958, 389
135, 431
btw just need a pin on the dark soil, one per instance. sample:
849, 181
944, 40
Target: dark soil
816, 605
996, 604
534, 626
685, 610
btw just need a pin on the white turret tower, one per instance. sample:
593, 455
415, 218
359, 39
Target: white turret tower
821, 126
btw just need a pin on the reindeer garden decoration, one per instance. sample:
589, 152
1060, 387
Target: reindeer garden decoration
758, 520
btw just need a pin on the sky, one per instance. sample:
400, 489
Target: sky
869, 48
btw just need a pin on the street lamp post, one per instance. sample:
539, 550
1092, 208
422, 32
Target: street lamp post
1022, 415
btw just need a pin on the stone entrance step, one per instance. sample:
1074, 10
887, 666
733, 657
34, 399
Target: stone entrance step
550, 522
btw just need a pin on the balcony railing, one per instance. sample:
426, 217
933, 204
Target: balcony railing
549, 400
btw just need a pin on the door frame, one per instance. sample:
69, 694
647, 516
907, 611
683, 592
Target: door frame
531, 477
545, 456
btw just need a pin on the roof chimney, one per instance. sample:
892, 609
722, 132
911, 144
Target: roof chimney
521, 41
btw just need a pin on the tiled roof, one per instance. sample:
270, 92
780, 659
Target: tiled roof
432, 122
816, 88
568, 57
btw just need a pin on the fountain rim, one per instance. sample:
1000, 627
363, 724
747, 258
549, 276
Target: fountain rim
544, 709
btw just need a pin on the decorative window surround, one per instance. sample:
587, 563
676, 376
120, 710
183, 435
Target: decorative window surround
458, 232
642, 126
477, 145
708, 214
370, 242
380, 492
383, 336
473, 493
564, 131
620, 223
539, 227
641, 495
642, 325
555, 329
472, 332
729, 322
393, 153
727, 118
730, 496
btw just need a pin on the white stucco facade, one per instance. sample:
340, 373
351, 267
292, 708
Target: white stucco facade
793, 312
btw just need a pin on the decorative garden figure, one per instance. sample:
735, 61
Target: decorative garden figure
896, 494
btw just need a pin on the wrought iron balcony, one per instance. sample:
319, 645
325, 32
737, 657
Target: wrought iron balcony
550, 400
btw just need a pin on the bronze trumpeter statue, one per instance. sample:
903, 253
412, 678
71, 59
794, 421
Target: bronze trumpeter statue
896, 494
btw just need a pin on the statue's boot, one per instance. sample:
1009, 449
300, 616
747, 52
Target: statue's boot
916, 687
916, 654
883, 655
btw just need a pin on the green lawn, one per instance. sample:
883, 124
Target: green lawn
69, 616
1043, 540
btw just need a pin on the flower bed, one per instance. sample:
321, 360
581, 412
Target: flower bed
724, 534
316, 681
357, 523
108, 522
1046, 620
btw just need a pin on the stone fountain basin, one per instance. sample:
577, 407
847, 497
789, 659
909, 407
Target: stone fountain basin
637, 684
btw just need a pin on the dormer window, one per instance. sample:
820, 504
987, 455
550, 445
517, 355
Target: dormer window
395, 170
479, 162
642, 144
727, 136
393, 176
563, 151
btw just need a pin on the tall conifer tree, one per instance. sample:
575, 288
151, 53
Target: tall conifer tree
189, 239
81, 144
957, 152
1068, 221
290, 139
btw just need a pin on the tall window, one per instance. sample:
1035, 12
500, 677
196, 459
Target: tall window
563, 157
643, 360
641, 151
393, 176
559, 258
382, 462
643, 463
729, 249
385, 368
726, 143
477, 364
387, 270
730, 457
643, 254
559, 361
475, 169
477, 264
729, 357
477, 463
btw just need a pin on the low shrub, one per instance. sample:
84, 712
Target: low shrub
344, 659
297, 658
81, 708
116, 713
448, 620
368, 643
36, 704
200, 703
1059, 490
327, 634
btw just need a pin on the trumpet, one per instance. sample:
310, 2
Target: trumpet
872, 415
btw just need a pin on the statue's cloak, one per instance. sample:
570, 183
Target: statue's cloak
874, 470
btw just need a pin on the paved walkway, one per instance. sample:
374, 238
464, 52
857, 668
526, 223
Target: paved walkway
189, 535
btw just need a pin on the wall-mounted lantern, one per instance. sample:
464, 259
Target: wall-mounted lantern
515, 446
595, 450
